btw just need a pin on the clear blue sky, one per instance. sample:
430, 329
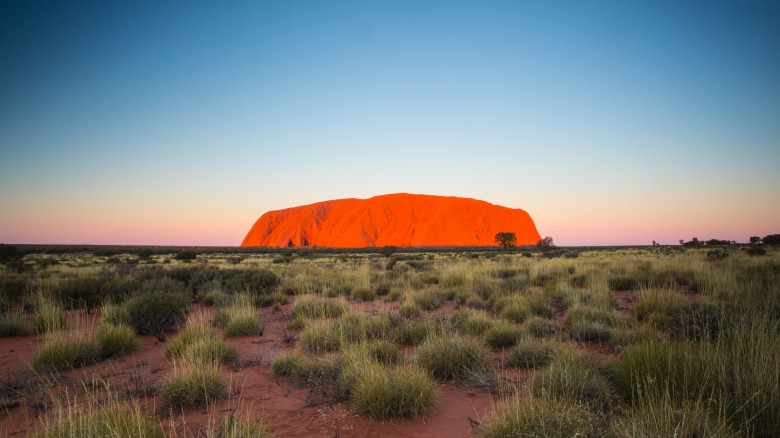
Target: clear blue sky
182, 122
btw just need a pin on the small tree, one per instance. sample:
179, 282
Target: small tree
506, 240
545, 243
772, 239
755, 240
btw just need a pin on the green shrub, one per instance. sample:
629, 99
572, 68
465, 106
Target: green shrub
590, 331
193, 385
354, 327
472, 322
185, 255
287, 364
530, 353
416, 331
662, 417
383, 392
320, 336
199, 343
238, 427
314, 308
65, 352
115, 314
502, 335
49, 318
255, 282
115, 340
454, 357
13, 322
155, 313
239, 318
363, 294
115, 419
385, 352
80, 292
210, 350
540, 327
513, 308
542, 417
573, 379
409, 309
623, 283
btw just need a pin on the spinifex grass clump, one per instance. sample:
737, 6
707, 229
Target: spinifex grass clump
288, 364
416, 331
531, 353
540, 327
320, 336
543, 416
385, 391
502, 334
513, 308
194, 385
454, 357
65, 351
356, 327
199, 343
113, 419
13, 322
592, 324
657, 415
572, 378
315, 308
115, 340
239, 317
385, 352
472, 322
49, 317
238, 427
363, 294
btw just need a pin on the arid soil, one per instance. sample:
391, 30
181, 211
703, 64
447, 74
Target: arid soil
290, 407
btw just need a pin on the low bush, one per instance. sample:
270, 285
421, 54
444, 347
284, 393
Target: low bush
363, 294
49, 318
454, 357
239, 318
238, 427
255, 282
320, 336
416, 331
115, 340
590, 331
542, 417
382, 392
513, 308
502, 334
385, 352
199, 343
155, 313
314, 308
288, 364
540, 327
114, 419
64, 352
81, 292
193, 385
531, 353
573, 379
13, 322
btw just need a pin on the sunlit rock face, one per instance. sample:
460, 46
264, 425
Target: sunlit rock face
399, 220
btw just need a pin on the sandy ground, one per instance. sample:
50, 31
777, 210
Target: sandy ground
288, 406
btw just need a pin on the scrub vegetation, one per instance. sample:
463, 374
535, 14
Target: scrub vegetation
617, 342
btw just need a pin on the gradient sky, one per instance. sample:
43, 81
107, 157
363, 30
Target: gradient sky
146, 122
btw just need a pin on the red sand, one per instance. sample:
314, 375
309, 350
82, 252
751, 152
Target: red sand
398, 220
287, 406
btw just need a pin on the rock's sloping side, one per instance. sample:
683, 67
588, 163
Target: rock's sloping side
399, 219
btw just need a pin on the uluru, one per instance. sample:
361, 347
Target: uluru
400, 219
